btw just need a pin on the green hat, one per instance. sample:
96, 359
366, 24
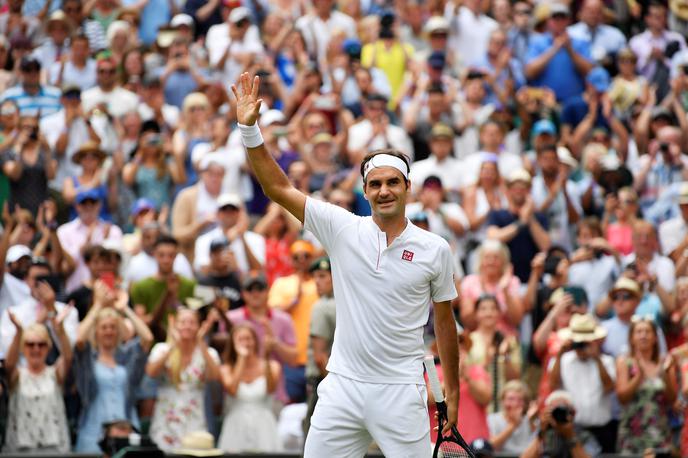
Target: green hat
321, 264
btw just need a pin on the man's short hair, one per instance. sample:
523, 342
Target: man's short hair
391, 152
165, 239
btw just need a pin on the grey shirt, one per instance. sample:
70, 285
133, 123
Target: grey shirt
322, 325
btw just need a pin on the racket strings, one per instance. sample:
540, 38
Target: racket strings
452, 450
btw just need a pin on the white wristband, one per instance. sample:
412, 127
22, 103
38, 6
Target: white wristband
250, 135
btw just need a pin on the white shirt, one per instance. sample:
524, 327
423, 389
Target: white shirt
85, 77
604, 39
449, 171
256, 243
232, 159
596, 277
51, 127
27, 314
119, 101
13, 291
468, 33
218, 41
560, 230
506, 163
582, 380
317, 33
661, 266
671, 234
438, 226
360, 133
144, 265
383, 293
170, 114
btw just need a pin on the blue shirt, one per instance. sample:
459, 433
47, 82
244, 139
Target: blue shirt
559, 74
575, 109
154, 15
46, 100
514, 71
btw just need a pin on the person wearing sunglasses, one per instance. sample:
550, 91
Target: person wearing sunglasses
37, 421
108, 97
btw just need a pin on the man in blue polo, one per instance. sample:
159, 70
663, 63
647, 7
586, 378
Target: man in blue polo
556, 60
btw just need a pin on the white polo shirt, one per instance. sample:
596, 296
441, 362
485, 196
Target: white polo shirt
382, 293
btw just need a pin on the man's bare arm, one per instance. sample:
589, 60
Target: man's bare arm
272, 179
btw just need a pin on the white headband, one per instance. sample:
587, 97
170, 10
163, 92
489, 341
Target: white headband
385, 160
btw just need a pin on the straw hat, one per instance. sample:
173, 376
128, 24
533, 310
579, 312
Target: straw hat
198, 443
582, 328
89, 147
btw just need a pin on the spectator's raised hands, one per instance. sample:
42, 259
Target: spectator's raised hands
15, 321
248, 103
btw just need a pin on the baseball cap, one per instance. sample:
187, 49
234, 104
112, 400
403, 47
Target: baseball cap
301, 246
437, 60
238, 14
206, 161
433, 182
352, 47
271, 117
544, 126
599, 78
255, 279
322, 263
29, 63
181, 19
141, 204
229, 200
558, 9
441, 130
659, 112
71, 90
16, 252
436, 24
519, 175
88, 194
322, 137
683, 193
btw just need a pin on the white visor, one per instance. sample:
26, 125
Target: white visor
385, 160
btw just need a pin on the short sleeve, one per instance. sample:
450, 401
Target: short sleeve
442, 287
536, 47
319, 322
158, 351
326, 220
287, 334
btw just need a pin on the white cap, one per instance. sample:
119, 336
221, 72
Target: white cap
270, 117
181, 19
229, 199
565, 157
239, 13
436, 24
16, 252
208, 160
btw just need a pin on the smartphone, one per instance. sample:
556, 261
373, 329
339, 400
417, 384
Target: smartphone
109, 279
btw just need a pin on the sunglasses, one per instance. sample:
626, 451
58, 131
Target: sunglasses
106, 71
623, 296
89, 202
197, 108
255, 288
41, 344
301, 257
523, 12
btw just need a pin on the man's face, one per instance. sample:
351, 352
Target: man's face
374, 109
557, 24
441, 147
518, 192
20, 268
436, 103
73, 11
323, 282
301, 260
34, 273
148, 237
256, 296
227, 216
31, 79
549, 163
656, 18
624, 303
644, 241
386, 191
88, 210
522, 13
165, 254
591, 13
212, 178
106, 74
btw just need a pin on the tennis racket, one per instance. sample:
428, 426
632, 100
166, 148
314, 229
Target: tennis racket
452, 445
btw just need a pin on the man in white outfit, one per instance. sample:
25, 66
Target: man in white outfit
385, 272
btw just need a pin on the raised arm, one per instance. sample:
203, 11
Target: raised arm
64, 362
272, 179
12, 356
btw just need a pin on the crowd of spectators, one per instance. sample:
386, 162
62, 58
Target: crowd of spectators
147, 282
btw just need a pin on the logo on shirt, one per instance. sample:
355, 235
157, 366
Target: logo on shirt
407, 255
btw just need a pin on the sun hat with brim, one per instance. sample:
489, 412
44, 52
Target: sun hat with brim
198, 443
626, 284
521, 175
582, 328
89, 147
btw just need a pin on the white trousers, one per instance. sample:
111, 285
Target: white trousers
349, 415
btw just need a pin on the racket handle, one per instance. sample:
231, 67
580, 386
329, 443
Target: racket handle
429, 363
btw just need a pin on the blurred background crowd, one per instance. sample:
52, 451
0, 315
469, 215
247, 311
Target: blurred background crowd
149, 285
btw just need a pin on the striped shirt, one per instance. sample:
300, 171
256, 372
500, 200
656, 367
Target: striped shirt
47, 100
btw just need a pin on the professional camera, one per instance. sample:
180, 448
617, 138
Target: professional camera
562, 414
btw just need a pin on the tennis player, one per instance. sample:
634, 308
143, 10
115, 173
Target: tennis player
385, 271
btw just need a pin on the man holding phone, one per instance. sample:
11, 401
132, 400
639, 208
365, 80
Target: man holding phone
583, 370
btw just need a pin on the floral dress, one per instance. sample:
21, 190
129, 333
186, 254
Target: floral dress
179, 409
644, 420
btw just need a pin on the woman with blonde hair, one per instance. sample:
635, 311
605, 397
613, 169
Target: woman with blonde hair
250, 379
37, 422
513, 427
495, 276
183, 365
194, 128
107, 368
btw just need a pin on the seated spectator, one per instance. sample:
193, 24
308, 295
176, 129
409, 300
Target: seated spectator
232, 221
30, 165
183, 367
250, 379
490, 348
647, 389
40, 308
495, 277
87, 229
37, 420
89, 157
588, 375
156, 297
513, 427
107, 367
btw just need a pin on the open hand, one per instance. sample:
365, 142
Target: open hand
248, 103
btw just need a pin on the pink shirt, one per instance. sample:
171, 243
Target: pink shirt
620, 237
73, 236
471, 288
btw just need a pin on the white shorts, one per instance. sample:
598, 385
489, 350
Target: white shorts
349, 415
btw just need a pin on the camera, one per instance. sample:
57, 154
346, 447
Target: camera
33, 135
551, 264
562, 414
154, 140
664, 147
579, 345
